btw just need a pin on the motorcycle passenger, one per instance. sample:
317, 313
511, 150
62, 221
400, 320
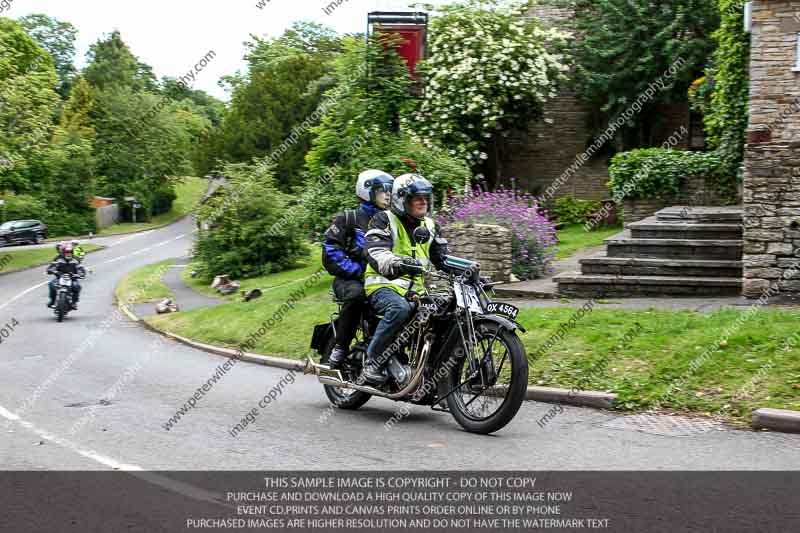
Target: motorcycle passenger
395, 261
343, 255
65, 264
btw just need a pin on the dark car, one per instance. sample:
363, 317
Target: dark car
21, 231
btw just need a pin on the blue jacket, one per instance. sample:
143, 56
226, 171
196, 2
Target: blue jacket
343, 252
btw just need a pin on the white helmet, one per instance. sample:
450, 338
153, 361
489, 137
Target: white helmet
371, 181
408, 186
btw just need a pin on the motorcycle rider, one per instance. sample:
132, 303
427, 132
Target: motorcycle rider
395, 261
65, 263
78, 251
343, 255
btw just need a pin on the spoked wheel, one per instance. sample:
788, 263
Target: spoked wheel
489, 395
342, 398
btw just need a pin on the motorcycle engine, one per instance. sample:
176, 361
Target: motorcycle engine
401, 373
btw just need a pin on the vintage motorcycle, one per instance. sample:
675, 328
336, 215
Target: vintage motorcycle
459, 353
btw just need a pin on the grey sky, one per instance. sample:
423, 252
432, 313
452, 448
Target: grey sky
172, 35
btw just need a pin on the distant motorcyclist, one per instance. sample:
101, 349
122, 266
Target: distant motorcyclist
65, 263
395, 261
78, 251
343, 255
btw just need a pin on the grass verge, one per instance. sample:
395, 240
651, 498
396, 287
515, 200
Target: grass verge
144, 285
189, 193
575, 238
729, 362
21, 259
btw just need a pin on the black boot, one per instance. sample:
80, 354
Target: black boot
338, 356
51, 304
372, 374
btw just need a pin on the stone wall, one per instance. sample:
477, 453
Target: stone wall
487, 244
772, 219
772, 157
774, 86
695, 191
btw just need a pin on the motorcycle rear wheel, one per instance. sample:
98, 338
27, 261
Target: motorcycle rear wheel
347, 399
484, 410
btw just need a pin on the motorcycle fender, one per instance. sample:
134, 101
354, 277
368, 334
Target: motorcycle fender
321, 332
505, 322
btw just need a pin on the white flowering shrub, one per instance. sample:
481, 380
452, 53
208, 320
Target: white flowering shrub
489, 70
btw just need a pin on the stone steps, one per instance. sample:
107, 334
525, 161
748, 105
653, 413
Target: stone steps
640, 266
581, 285
708, 215
681, 251
653, 228
624, 245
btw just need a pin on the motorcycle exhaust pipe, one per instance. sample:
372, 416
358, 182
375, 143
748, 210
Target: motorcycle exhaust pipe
328, 376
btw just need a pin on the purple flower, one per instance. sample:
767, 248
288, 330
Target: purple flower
533, 235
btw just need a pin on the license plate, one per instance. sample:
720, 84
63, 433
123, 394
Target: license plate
66, 283
499, 308
473, 303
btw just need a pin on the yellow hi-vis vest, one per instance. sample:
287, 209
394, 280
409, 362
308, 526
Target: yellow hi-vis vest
402, 245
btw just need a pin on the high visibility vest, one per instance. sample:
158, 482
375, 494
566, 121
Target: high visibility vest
402, 245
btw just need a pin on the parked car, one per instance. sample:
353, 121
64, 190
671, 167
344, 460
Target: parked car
21, 231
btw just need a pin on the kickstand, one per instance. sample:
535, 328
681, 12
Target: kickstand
440, 406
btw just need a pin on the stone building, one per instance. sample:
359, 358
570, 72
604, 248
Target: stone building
772, 160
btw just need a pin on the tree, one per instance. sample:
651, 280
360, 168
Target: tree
111, 63
58, 38
359, 130
27, 102
284, 85
490, 71
626, 46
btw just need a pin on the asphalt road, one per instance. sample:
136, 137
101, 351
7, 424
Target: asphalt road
96, 391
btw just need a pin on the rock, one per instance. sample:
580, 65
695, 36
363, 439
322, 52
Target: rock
229, 288
193, 273
220, 281
252, 294
513, 279
166, 306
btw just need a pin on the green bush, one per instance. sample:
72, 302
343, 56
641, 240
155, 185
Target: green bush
657, 172
242, 240
23, 206
570, 210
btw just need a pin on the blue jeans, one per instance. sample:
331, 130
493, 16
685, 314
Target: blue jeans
395, 310
76, 290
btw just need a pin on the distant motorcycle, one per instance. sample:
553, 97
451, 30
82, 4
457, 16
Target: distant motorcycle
459, 353
64, 295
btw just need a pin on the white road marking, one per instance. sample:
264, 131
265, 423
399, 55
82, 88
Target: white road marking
23, 293
89, 454
195, 493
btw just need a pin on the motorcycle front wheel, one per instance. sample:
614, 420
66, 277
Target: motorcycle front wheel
486, 397
61, 307
347, 399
